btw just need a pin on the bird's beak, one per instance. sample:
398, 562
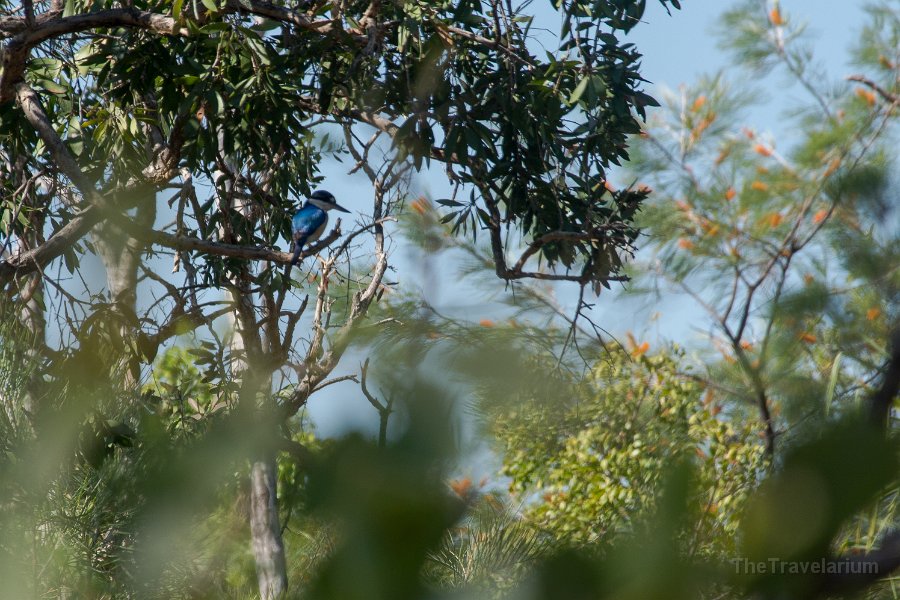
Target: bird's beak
340, 208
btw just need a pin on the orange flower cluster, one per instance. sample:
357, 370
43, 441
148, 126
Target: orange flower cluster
867, 95
640, 350
774, 219
420, 205
775, 17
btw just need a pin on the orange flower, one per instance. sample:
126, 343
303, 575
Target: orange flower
685, 244
609, 187
832, 167
419, 205
722, 156
749, 133
700, 127
808, 338
762, 150
698, 103
873, 313
640, 350
461, 486
730, 193
866, 95
775, 17
820, 216
759, 186
774, 219
486, 323
808, 279
746, 345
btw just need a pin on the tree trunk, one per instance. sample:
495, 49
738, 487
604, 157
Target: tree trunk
121, 255
265, 530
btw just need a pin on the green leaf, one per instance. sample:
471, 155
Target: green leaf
445, 202
579, 90
215, 104
832, 382
53, 87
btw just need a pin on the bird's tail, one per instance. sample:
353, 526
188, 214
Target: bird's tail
298, 248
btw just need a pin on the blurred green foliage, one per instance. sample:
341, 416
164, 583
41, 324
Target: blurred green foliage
596, 454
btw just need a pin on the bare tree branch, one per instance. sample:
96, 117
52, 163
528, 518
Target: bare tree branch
31, 105
185, 243
384, 408
892, 98
34, 260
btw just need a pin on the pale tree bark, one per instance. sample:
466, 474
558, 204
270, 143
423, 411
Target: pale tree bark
265, 529
34, 321
121, 254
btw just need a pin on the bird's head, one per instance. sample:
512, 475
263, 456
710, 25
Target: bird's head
325, 201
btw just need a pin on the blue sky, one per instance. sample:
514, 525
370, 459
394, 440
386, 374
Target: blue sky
679, 48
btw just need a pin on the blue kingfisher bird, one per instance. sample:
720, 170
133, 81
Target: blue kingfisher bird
310, 221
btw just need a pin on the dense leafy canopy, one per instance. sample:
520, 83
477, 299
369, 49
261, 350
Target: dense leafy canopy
236, 93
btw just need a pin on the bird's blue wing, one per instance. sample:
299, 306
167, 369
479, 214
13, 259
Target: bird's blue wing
308, 222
